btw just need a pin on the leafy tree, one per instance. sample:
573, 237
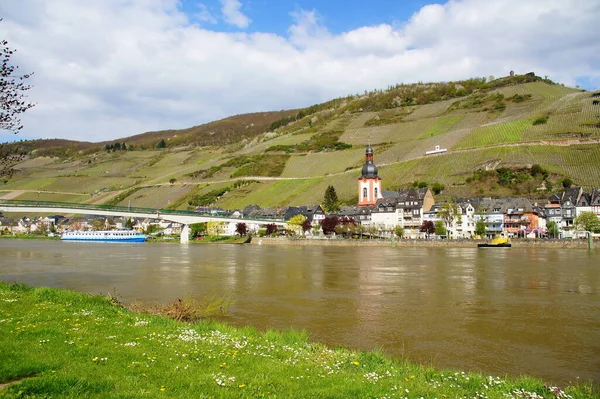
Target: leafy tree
306, 226
440, 230
399, 231
151, 229
328, 224
42, 229
197, 230
480, 227
427, 227
271, 229
117, 146
215, 228
345, 226
449, 213
172, 180
437, 188
536, 170
587, 221
161, 144
241, 228
567, 182
97, 225
12, 91
295, 223
552, 228
330, 201
128, 224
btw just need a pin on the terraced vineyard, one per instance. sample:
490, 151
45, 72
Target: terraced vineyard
515, 125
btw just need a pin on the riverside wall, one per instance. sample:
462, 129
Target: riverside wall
516, 243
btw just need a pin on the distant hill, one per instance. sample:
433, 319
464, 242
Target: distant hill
494, 133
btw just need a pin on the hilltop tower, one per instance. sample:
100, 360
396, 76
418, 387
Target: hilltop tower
369, 184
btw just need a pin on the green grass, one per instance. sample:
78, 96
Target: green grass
270, 194
501, 133
441, 125
43, 196
322, 164
71, 345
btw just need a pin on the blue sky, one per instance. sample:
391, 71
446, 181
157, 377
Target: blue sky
339, 16
108, 69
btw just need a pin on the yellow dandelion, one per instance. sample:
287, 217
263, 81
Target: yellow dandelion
355, 363
242, 385
162, 389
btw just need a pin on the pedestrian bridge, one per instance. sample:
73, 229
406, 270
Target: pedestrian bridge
184, 217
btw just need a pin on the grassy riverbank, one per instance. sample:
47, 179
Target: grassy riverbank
57, 343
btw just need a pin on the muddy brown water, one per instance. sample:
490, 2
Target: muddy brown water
511, 311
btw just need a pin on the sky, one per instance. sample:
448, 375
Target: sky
108, 69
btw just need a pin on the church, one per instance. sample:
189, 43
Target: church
389, 209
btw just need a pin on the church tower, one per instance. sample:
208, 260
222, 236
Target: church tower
369, 184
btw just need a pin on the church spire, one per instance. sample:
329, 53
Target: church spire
369, 184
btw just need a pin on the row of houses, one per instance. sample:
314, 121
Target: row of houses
408, 208
513, 217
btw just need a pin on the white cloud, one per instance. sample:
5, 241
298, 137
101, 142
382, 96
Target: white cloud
233, 15
203, 14
112, 68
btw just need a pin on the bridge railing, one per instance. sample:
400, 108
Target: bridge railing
131, 209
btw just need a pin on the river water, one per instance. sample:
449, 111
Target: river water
500, 311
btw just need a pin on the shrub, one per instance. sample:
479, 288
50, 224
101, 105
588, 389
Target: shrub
541, 120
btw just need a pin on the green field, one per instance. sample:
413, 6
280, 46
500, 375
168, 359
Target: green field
71, 345
483, 129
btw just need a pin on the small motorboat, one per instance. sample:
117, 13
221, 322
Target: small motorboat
500, 242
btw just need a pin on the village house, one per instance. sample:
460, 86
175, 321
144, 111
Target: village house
404, 208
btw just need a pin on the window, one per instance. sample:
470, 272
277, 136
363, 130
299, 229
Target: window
375, 192
365, 193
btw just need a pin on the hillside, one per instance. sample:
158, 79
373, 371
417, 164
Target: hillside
497, 129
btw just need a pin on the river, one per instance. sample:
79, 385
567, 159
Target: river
511, 311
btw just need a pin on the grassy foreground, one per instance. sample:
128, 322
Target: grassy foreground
56, 343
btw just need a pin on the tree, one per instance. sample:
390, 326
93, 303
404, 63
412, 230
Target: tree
328, 224
428, 228
271, 229
128, 224
241, 228
567, 182
12, 91
480, 227
345, 226
587, 221
449, 213
306, 226
399, 231
437, 188
295, 223
161, 144
197, 230
97, 225
440, 230
330, 201
172, 180
553, 230
215, 228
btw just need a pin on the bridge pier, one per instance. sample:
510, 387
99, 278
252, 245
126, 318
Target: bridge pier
185, 234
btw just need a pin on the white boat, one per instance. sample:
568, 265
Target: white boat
108, 236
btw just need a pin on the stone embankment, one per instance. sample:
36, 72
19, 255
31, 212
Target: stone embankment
518, 243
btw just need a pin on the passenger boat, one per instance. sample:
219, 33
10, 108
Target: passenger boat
108, 236
500, 242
